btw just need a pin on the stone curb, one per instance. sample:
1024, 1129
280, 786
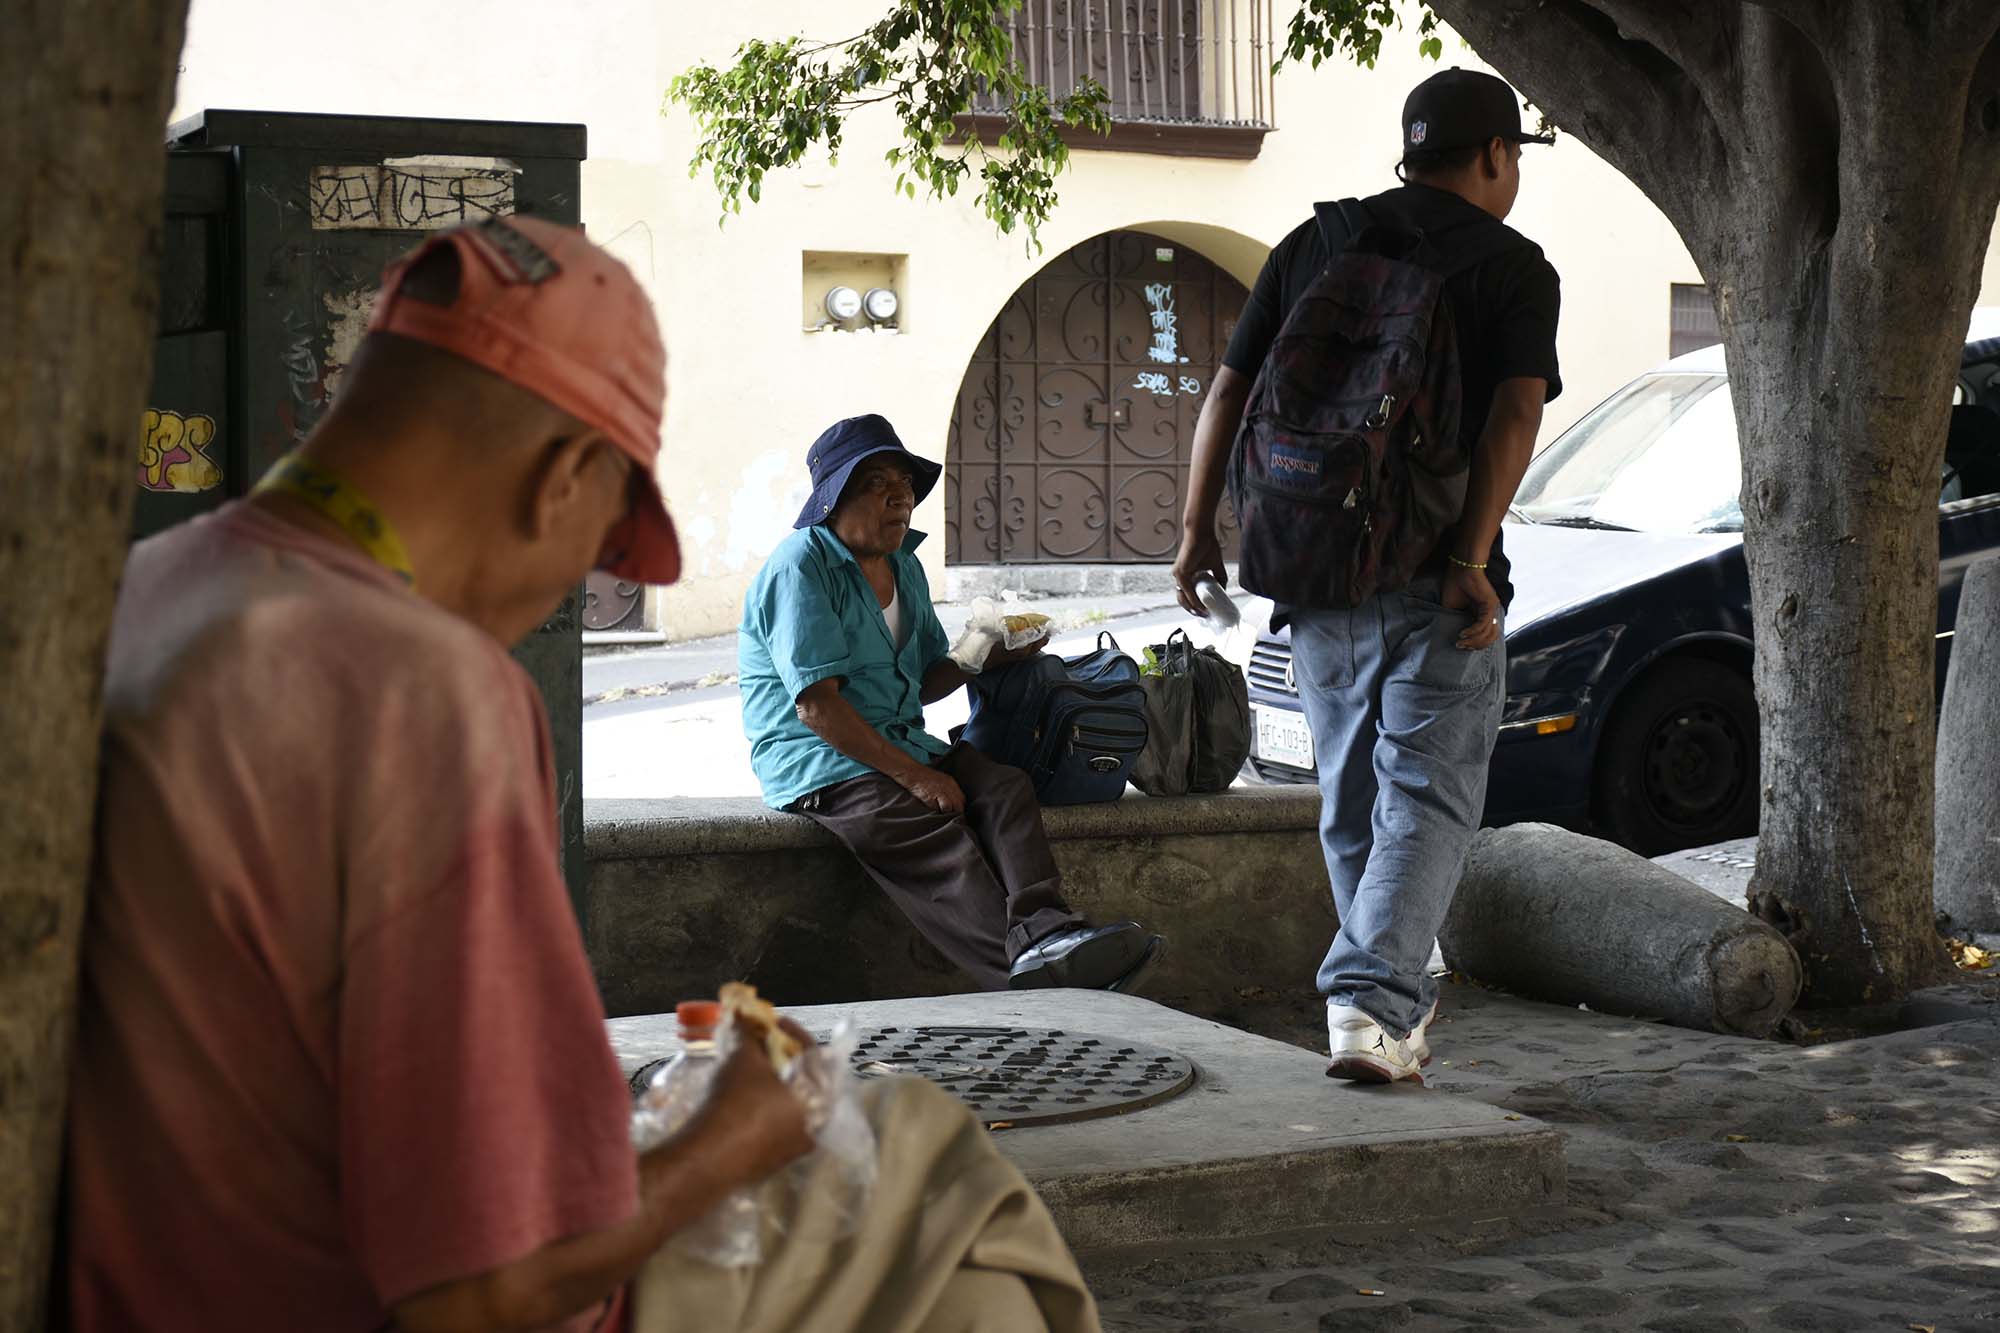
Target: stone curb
623, 830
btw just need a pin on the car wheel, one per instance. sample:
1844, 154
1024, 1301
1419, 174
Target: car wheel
1678, 763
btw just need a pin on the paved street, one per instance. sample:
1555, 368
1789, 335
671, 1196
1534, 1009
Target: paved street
1715, 1183
666, 721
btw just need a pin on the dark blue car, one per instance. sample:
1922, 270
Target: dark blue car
1629, 710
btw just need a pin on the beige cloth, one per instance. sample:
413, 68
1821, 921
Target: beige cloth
954, 1241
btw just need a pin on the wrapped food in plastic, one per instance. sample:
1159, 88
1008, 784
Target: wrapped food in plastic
994, 625
822, 1195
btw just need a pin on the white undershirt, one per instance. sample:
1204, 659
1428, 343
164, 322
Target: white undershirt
893, 614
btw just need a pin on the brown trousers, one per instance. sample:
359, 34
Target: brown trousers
982, 886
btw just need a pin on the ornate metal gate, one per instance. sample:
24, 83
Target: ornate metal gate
1074, 423
610, 603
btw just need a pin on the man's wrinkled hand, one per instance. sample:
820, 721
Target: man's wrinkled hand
1004, 657
1471, 592
936, 790
764, 1123
792, 1028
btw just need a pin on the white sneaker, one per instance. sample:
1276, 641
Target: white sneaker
1420, 1039
1364, 1052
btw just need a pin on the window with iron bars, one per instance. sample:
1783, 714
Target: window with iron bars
1185, 77
1692, 321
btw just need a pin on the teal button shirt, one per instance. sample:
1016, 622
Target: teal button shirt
809, 616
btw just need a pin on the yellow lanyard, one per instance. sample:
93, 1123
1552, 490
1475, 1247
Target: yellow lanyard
350, 510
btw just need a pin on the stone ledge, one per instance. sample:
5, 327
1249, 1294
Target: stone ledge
1262, 1143
615, 830
684, 895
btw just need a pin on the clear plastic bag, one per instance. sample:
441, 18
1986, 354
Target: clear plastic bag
990, 624
822, 1196
728, 1234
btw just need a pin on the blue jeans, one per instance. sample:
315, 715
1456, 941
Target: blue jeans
1403, 724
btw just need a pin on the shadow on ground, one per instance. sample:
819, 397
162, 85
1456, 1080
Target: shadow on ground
1715, 1183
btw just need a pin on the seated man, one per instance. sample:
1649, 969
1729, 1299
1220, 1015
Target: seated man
340, 1065
839, 652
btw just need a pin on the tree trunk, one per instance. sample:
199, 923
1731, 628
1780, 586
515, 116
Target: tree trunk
85, 86
1556, 916
1835, 170
1845, 327
1968, 762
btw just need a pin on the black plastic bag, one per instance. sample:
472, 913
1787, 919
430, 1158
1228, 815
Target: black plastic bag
1197, 720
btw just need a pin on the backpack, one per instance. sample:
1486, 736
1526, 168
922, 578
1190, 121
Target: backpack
1074, 725
1348, 468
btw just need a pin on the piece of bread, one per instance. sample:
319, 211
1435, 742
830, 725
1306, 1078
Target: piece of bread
759, 1021
1021, 624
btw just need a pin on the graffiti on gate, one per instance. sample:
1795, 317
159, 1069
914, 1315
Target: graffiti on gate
1166, 346
1162, 385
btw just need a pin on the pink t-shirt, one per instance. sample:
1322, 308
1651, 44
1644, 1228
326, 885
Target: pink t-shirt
338, 1040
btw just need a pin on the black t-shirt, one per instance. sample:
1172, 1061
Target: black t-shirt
1504, 308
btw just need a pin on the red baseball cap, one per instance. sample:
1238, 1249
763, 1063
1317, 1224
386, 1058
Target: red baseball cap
543, 308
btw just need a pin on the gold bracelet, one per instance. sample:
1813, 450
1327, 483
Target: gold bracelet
1462, 564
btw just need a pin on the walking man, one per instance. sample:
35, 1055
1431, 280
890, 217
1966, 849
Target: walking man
1379, 537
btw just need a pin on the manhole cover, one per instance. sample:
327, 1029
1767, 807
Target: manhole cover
1026, 1077
1020, 1076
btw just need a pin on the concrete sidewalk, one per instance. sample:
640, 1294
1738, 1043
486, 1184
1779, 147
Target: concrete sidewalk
613, 674
1262, 1143
1715, 1183
1705, 1182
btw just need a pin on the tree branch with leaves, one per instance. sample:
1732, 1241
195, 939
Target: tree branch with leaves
928, 60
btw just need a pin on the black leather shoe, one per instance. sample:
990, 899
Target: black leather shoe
1127, 983
1088, 957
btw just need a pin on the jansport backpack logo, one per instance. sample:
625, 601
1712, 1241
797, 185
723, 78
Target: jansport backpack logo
1348, 467
1301, 464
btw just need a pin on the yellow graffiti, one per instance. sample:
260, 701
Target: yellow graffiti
171, 456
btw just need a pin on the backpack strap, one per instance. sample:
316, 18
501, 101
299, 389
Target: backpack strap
1340, 222
1498, 241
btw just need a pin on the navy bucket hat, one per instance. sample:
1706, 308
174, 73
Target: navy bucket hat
836, 453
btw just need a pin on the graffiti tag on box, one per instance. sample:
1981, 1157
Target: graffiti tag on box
172, 452
398, 197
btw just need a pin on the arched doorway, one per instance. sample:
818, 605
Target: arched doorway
1073, 426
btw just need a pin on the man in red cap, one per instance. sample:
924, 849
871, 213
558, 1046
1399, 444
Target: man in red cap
341, 1063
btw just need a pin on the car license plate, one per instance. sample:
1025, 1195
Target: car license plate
1282, 737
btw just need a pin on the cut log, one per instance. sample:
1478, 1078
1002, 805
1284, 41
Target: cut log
1553, 915
1968, 762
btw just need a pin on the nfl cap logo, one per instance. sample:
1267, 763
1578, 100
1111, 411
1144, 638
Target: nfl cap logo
1462, 108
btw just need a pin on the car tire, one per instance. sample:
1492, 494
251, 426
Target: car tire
1677, 766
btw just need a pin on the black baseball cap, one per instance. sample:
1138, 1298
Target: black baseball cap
1462, 108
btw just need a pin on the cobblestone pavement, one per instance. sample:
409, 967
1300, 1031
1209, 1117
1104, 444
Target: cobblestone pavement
1714, 1184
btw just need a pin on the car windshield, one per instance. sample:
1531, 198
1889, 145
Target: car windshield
1660, 456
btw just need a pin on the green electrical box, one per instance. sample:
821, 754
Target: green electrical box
278, 228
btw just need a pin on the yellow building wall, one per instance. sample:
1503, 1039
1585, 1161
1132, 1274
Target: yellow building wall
749, 389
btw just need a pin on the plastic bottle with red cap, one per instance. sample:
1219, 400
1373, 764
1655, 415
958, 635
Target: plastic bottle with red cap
729, 1235
677, 1091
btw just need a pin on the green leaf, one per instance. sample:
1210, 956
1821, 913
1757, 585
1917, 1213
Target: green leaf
778, 100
